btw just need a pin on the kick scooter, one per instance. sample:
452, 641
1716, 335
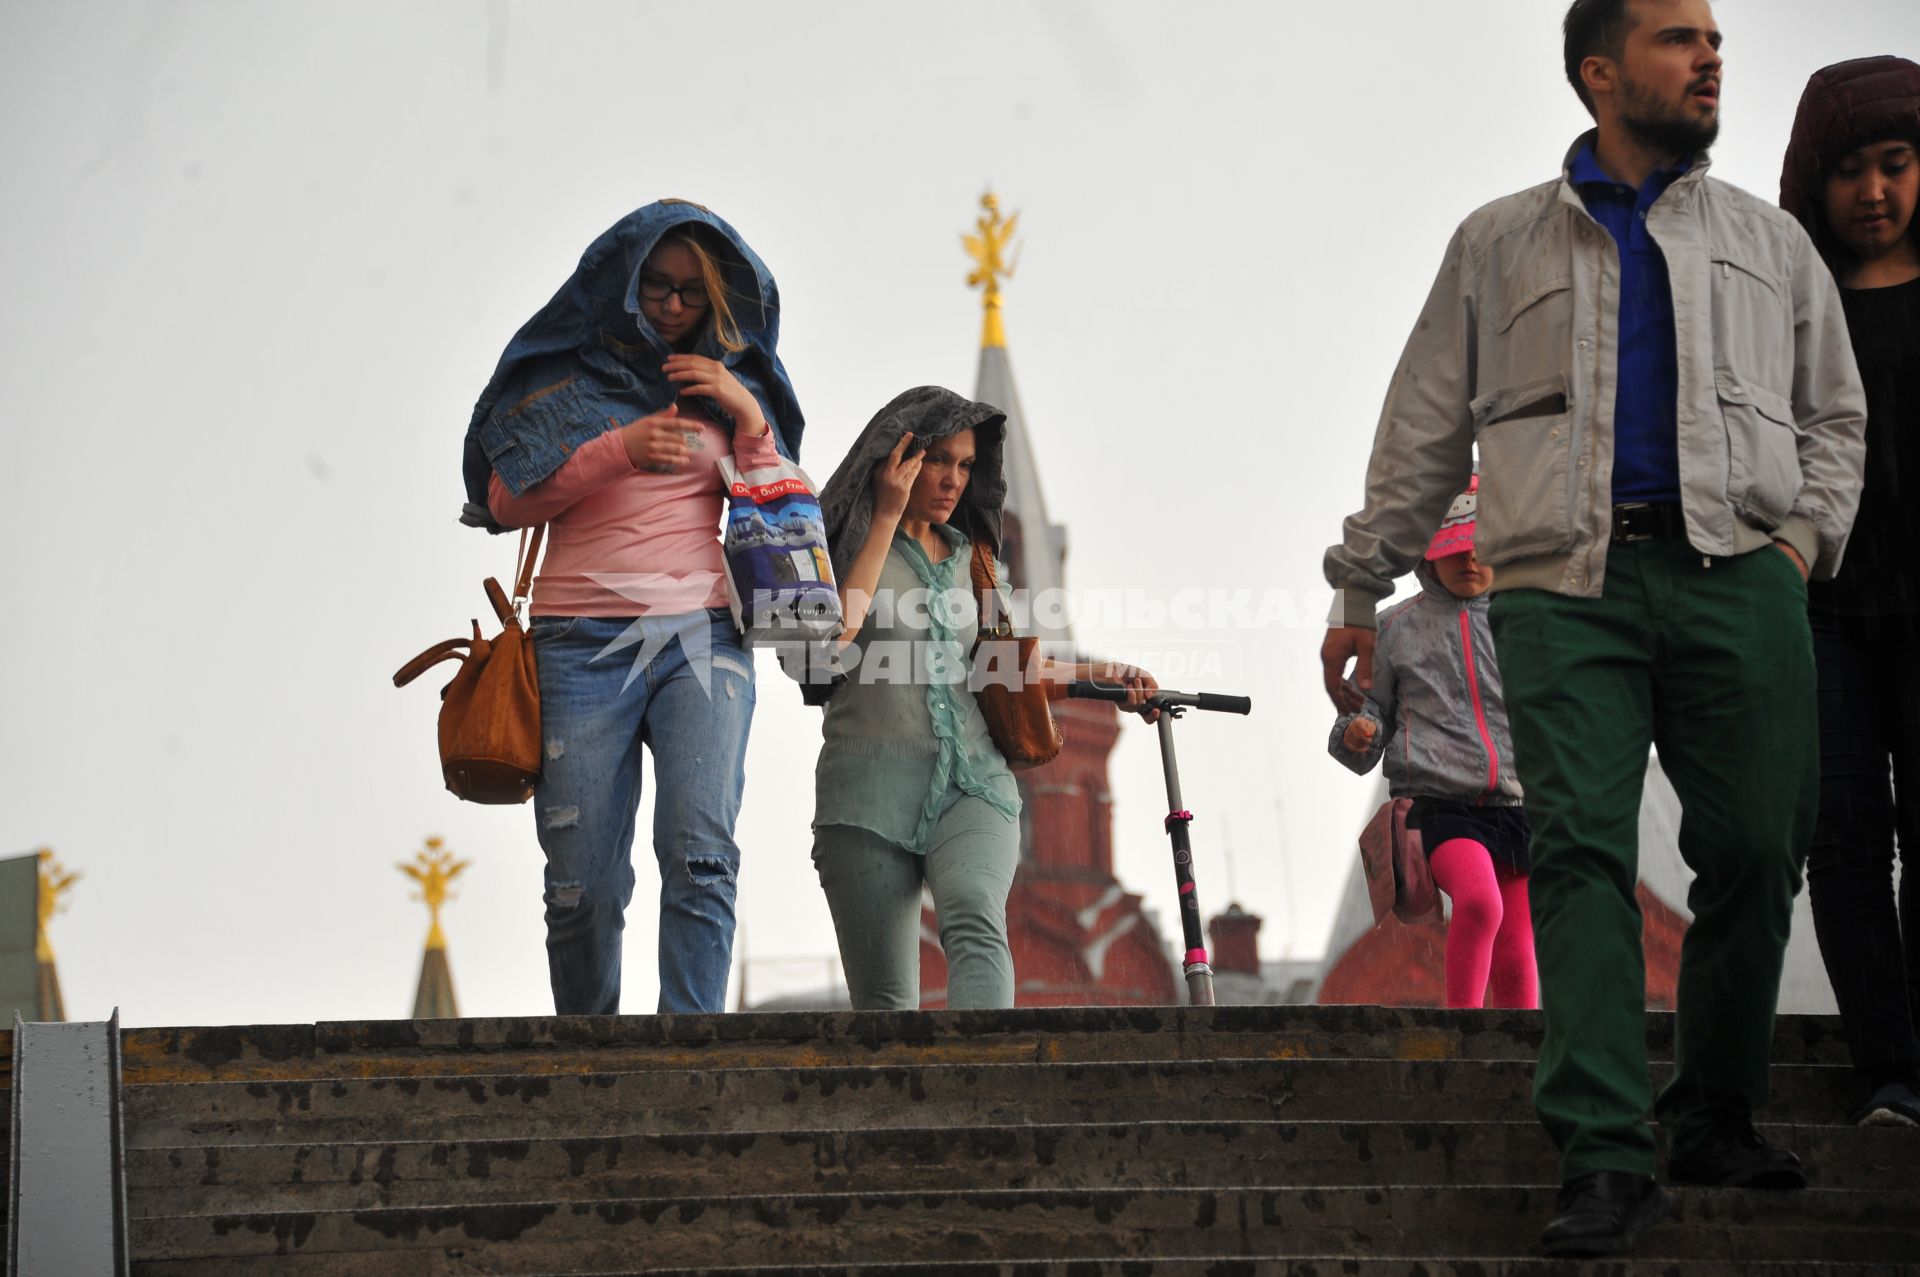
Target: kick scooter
1171, 706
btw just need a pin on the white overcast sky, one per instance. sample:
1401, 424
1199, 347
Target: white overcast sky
257, 260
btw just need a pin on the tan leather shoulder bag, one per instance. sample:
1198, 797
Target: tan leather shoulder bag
1011, 695
490, 712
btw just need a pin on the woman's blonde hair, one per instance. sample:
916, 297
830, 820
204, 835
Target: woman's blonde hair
726, 329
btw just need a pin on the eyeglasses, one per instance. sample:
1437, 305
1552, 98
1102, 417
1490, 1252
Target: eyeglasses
692, 296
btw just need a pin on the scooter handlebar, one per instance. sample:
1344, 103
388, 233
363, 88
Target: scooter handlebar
1165, 698
1223, 704
1097, 692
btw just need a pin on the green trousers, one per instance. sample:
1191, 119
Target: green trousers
873, 889
1710, 661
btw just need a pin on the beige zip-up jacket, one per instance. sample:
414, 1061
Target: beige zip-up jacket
1515, 357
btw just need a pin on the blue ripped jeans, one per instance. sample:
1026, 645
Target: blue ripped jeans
683, 687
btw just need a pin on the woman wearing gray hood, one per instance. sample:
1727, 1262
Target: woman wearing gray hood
910, 790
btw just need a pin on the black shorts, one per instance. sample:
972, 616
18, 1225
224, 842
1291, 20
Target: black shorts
1503, 831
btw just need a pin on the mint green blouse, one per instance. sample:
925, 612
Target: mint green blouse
905, 738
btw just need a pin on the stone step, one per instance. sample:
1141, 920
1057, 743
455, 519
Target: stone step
1380, 1222
618, 1104
1307, 1266
399, 1048
217, 1179
1276, 1265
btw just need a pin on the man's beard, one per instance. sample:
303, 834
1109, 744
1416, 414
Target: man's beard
1659, 127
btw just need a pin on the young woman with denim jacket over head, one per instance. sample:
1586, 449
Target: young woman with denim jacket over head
910, 790
607, 420
1852, 176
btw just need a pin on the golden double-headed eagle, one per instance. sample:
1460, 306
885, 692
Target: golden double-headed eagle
991, 263
54, 883
433, 869
988, 247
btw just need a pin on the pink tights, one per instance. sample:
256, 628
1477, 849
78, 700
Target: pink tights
1490, 936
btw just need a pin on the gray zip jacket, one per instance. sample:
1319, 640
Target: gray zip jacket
1515, 357
1439, 717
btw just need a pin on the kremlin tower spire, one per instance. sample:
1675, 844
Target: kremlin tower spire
1033, 548
31, 891
1078, 936
433, 869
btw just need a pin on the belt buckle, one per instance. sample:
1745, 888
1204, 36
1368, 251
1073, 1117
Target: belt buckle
1623, 516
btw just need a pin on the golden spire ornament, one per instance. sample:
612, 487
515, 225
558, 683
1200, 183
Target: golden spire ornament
990, 264
55, 882
433, 869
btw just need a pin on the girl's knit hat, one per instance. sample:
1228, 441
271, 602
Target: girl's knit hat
1456, 530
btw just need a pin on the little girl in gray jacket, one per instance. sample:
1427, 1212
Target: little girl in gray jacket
1436, 716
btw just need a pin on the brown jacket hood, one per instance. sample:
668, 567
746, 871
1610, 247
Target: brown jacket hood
1846, 106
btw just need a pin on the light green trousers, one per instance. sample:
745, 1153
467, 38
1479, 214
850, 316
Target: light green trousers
873, 887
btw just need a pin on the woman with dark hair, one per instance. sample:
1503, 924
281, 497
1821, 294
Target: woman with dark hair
910, 790
1852, 177
606, 420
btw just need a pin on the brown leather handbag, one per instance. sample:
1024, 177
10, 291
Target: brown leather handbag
1018, 717
490, 712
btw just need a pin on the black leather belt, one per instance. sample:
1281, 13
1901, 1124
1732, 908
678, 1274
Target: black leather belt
1643, 521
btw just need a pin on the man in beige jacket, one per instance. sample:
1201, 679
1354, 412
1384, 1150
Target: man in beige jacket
1653, 368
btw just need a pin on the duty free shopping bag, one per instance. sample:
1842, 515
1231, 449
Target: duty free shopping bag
779, 579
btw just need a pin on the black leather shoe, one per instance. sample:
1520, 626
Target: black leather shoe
1735, 1156
1603, 1213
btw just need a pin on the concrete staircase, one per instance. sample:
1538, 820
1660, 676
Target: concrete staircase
1308, 1140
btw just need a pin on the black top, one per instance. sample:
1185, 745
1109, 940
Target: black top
1880, 575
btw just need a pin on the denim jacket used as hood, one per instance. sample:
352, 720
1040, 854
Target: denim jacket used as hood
589, 361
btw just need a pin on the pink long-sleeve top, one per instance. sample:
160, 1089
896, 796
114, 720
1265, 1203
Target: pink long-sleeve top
627, 542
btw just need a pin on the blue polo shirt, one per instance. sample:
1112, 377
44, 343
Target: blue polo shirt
1646, 449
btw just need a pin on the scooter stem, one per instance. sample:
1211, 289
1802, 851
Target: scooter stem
1198, 971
